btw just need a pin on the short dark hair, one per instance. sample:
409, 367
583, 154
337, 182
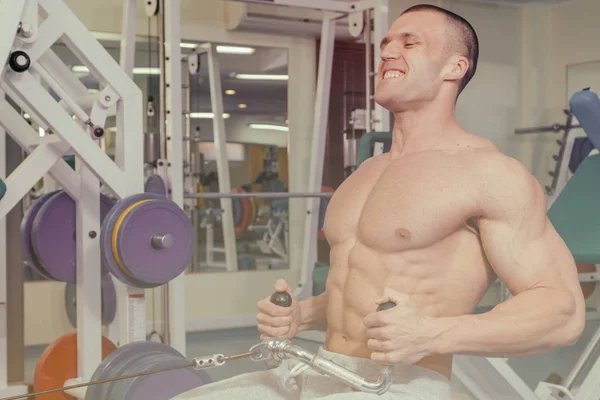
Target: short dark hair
466, 34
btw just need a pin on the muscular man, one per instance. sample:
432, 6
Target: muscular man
429, 226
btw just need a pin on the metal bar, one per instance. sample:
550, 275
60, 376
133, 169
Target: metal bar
544, 129
128, 27
317, 154
380, 28
220, 139
323, 5
10, 15
582, 361
368, 66
259, 195
590, 387
174, 309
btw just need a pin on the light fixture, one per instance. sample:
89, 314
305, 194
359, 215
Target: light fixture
136, 70
26, 116
80, 69
261, 77
235, 50
269, 127
188, 45
230, 92
242, 106
205, 115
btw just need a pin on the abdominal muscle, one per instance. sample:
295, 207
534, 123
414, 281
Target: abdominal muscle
358, 276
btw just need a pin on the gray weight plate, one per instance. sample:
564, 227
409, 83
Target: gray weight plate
108, 299
164, 385
138, 365
143, 261
25, 234
106, 234
156, 184
119, 360
132, 366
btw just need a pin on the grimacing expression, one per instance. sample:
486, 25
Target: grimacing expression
413, 60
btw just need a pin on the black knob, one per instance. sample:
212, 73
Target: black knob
98, 132
19, 61
386, 306
282, 299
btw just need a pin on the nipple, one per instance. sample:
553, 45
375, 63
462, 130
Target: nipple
403, 233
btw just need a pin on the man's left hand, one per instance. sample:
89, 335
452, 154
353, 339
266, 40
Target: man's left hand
398, 335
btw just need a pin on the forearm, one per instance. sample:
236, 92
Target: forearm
532, 322
314, 312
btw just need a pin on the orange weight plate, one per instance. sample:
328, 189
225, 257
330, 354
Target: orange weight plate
58, 363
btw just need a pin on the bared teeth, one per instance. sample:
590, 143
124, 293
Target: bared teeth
392, 74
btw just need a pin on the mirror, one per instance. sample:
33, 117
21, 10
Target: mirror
254, 83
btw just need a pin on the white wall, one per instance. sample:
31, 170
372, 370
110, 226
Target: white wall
203, 21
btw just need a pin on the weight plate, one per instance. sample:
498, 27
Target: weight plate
135, 218
53, 235
165, 385
25, 233
236, 207
58, 363
108, 299
156, 184
117, 363
129, 367
141, 224
134, 366
106, 235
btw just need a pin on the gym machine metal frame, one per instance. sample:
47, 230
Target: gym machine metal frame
21, 30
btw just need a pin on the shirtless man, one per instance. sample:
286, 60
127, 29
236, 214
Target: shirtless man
429, 226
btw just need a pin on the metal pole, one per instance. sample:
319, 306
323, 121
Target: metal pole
582, 361
544, 129
260, 195
368, 75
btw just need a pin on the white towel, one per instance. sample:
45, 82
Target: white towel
293, 380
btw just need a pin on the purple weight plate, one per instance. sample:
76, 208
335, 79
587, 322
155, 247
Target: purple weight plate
109, 300
155, 218
106, 237
53, 235
165, 385
155, 184
26, 226
117, 363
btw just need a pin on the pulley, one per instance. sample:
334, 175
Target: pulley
147, 240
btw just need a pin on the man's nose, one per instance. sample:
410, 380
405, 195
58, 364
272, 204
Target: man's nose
391, 52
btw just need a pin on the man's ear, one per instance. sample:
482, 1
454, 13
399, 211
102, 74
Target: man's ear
456, 68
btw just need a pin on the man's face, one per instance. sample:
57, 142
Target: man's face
412, 59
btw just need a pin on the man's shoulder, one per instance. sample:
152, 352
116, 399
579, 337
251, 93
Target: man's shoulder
503, 183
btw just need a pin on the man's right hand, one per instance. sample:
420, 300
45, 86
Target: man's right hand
275, 321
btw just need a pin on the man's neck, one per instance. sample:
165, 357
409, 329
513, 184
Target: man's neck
420, 130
